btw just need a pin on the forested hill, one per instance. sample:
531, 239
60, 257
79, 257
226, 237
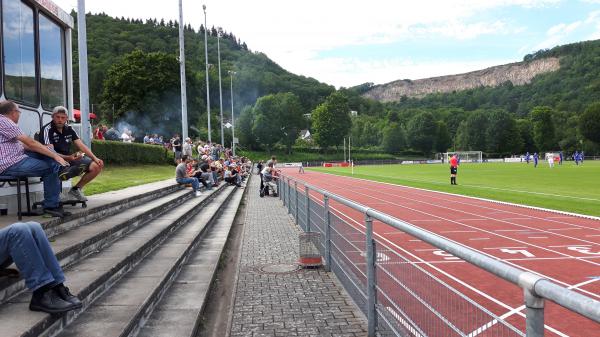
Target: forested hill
571, 87
133, 67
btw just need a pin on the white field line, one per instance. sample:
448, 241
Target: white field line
488, 200
534, 230
450, 276
479, 229
519, 309
491, 188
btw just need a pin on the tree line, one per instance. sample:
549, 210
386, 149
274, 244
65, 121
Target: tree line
134, 77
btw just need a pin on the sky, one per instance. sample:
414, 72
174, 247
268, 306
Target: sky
348, 42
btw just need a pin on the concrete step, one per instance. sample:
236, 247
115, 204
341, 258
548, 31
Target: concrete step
129, 303
108, 204
93, 275
82, 240
179, 311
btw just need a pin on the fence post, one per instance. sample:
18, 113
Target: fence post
289, 198
327, 233
296, 205
370, 259
534, 321
307, 208
279, 191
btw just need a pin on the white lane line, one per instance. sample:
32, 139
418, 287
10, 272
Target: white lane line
498, 202
496, 248
519, 309
565, 229
349, 187
532, 230
571, 245
450, 276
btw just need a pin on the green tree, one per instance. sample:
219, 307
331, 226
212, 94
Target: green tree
266, 126
525, 128
502, 133
422, 130
443, 139
472, 132
243, 128
543, 128
291, 119
331, 121
589, 123
146, 87
394, 138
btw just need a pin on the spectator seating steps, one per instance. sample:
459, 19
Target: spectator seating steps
86, 232
129, 258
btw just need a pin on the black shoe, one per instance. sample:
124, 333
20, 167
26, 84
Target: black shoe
68, 172
56, 212
51, 303
64, 293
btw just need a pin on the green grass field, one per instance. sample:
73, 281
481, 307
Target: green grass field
118, 177
567, 187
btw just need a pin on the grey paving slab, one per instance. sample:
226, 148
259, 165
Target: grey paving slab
299, 303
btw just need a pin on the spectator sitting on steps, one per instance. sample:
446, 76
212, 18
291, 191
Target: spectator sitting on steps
27, 245
60, 136
22, 156
182, 177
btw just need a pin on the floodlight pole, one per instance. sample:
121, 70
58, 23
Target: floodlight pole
220, 90
206, 66
84, 98
231, 73
184, 121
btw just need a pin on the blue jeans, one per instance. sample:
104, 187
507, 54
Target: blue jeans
38, 165
27, 245
194, 181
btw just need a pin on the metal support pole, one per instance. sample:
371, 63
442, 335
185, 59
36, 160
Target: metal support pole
534, 321
306, 192
206, 69
327, 233
84, 93
289, 189
280, 194
296, 205
183, 93
370, 247
220, 90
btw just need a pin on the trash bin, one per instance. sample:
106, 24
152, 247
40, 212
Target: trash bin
310, 257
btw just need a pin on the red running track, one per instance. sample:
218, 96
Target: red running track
563, 248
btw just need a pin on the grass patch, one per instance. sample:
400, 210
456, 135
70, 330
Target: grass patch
567, 187
118, 177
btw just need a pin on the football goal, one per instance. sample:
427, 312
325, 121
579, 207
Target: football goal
465, 156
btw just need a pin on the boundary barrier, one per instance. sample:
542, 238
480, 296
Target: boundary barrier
399, 297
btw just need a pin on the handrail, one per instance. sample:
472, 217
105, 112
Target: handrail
536, 288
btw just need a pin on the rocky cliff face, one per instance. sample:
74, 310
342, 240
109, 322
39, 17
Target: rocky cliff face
518, 73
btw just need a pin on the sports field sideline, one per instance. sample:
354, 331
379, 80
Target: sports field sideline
566, 187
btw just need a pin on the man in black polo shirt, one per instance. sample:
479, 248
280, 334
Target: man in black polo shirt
61, 137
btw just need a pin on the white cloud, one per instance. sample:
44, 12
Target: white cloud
292, 33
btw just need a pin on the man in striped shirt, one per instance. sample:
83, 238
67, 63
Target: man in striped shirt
22, 156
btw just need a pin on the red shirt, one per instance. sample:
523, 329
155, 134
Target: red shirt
454, 162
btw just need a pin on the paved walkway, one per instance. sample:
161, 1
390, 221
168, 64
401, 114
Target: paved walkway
273, 303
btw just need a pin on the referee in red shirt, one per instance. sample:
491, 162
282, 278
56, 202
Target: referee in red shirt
453, 169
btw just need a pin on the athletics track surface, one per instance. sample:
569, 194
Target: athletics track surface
563, 248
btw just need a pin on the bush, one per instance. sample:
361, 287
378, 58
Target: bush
131, 153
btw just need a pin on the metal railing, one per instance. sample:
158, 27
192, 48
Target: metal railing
402, 298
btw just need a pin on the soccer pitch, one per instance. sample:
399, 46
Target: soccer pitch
566, 187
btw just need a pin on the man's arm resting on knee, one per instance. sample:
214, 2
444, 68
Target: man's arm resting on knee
83, 148
32, 145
